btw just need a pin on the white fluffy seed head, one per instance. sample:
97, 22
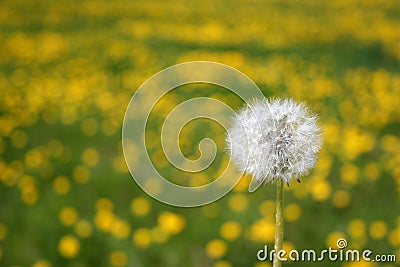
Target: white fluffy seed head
274, 139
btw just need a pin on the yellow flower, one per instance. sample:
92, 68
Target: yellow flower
142, 237
394, 239
119, 164
104, 220
28, 189
262, 231
216, 248
371, 171
267, 209
120, 229
140, 206
230, 230
321, 190
42, 263
61, 185
341, 199
357, 228
34, 158
349, 174
104, 204
159, 235
171, 223
83, 229
68, 246
81, 174
238, 202
243, 184
68, 216
19, 139
89, 127
118, 259
263, 264
90, 157
222, 263
30, 195
292, 212
378, 229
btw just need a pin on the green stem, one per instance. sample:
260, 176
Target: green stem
279, 222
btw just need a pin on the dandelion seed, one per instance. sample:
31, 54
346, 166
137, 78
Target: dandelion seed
274, 139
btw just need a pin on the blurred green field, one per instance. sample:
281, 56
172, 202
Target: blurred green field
69, 68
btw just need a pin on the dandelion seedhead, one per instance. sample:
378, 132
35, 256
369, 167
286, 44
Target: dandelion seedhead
274, 139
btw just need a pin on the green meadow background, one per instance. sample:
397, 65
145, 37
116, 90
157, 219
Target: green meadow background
69, 68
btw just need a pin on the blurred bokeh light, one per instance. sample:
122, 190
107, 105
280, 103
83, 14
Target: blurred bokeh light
69, 68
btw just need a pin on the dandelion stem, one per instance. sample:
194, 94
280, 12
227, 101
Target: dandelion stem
279, 222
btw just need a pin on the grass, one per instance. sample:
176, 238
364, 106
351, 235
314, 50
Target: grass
69, 69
